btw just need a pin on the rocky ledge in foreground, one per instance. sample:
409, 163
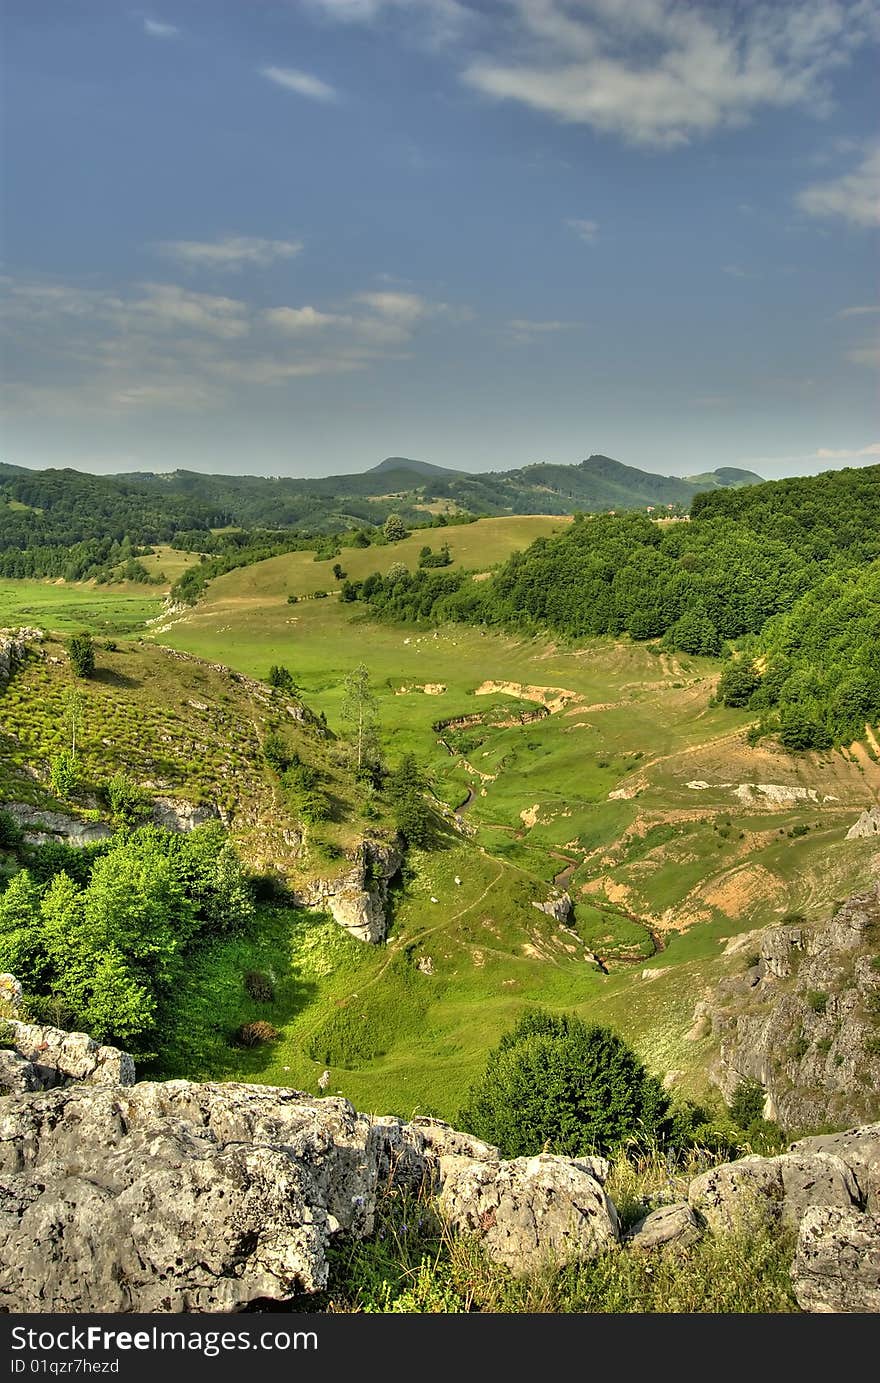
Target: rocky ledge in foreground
176, 1196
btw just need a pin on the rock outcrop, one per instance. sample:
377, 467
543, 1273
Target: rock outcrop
176, 1196
358, 897
558, 906
837, 1263
41, 827
14, 647
803, 1018
534, 1211
866, 826
45, 1058
176, 814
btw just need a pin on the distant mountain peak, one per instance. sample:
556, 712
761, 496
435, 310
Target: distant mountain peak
406, 463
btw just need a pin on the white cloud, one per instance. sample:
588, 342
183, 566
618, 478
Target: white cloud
661, 73
584, 230
855, 196
232, 253
862, 311
824, 454
169, 306
522, 331
161, 346
303, 83
299, 319
156, 29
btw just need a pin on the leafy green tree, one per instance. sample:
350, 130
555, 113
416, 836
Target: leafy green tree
22, 950
360, 717
394, 528
738, 682
64, 774
282, 679
81, 651
557, 1083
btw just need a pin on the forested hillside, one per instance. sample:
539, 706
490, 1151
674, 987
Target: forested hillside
785, 567
61, 523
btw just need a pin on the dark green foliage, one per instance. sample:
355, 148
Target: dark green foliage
817, 1000
747, 1104
569, 1087
282, 679
10, 832
406, 789
738, 682
81, 651
128, 802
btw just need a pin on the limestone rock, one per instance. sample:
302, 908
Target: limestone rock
176, 814
837, 1262
799, 1019
783, 1187
859, 1148
17, 1074
175, 1196
43, 827
558, 907
14, 647
358, 898
867, 825
671, 1224
58, 1058
531, 1211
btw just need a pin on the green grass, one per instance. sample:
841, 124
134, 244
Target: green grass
67, 606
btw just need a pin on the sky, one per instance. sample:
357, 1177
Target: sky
293, 237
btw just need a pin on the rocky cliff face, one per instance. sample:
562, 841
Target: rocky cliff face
803, 1018
358, 898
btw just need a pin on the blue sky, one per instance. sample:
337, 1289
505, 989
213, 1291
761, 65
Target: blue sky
296, 236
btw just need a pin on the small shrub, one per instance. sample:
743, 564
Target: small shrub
799, 1048
256, 1034
793, 919
10, 832
259, 986
817, 1000
81, 651
64, 774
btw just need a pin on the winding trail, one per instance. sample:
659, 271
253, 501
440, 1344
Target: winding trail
410, 939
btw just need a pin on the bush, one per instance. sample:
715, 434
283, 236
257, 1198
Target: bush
569, 1087
128, 802
817, 1000
259, 987
10, 832
64, 774
81, 651
256, 1034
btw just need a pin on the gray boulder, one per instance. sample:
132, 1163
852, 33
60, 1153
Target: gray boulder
728, 1196
671, 1224
177, 1197
837, 1263
533, 1211
859, 1148
59, 1058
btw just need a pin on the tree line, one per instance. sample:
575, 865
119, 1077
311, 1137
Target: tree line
784, 572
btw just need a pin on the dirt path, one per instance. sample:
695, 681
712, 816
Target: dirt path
410, 939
